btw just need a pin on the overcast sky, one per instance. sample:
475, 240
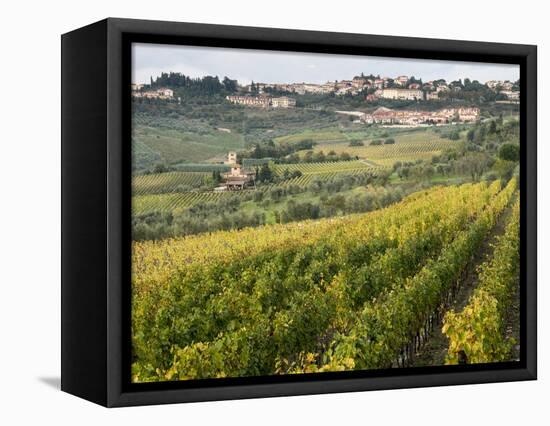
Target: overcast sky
293, 67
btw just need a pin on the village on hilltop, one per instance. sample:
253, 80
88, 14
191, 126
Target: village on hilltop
371, 88
400, 88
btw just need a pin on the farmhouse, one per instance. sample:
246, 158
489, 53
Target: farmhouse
237, 178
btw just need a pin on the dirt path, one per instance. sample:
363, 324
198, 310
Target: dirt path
513, 322
433, 352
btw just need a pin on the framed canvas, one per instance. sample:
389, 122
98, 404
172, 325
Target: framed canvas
257, 212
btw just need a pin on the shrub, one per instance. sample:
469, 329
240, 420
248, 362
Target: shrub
509, 152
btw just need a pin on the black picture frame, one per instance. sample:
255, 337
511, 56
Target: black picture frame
96, 211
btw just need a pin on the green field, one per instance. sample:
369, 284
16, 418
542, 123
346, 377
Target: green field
323, 135
173, 146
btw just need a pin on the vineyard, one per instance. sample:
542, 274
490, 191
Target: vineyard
177, 200
166, 192
307, 178
161, 183
354, 292
407, 147
477, 333
325, 167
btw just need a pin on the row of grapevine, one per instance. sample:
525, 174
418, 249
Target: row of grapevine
308, 178
160, 193
407, 148
323, 167
255, 310
154, 259
318, 309
477, 333
389, 325
177, 200
160, 183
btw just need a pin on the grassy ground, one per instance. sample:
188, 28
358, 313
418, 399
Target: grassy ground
173, 146
318, 136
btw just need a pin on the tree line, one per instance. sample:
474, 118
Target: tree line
198, 86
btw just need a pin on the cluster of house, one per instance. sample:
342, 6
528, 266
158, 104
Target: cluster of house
237, 178
429, 91
399, 88
341, 87
162, 93
263, 101
505, 88
410, 88
413, 118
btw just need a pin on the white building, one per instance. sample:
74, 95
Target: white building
511, 95
401, 94
283, 102
255, 101
263, 101
162, 93
401, 80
